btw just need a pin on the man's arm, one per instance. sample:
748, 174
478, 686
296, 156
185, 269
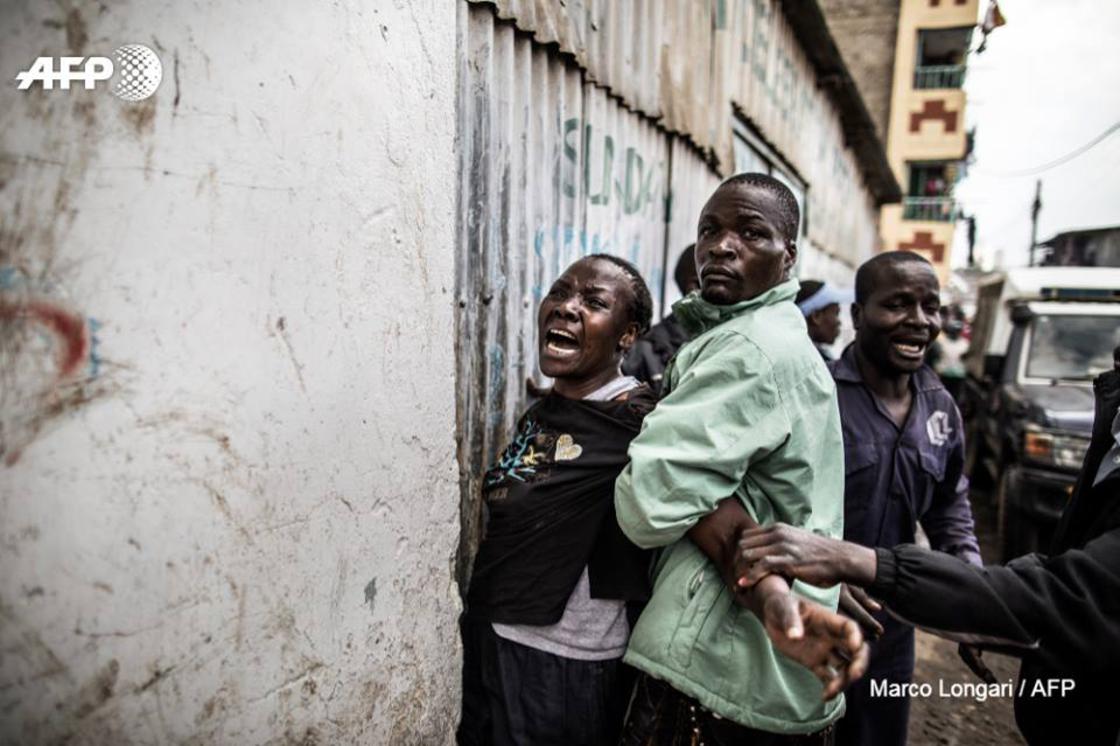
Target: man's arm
830, 645
717, 535
826, 643
1068, 602
724, 414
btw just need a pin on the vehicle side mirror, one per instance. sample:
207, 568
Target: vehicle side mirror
1021, 315
993, 366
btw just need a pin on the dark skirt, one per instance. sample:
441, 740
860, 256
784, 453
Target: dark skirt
515, 694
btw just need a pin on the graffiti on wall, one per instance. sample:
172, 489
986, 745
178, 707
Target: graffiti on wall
557, 246
633, 182
49, 361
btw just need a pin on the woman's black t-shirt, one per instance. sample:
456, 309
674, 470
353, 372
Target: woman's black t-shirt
550, 499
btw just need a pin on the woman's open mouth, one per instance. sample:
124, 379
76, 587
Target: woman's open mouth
561, 343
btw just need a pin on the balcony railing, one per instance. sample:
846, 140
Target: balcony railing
939, 76
940, 209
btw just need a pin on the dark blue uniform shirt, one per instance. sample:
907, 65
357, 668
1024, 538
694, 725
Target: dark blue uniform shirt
895, 478
898, 477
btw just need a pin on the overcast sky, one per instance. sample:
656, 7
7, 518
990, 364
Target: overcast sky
1048, 82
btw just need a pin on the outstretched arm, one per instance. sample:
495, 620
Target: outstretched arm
795, 552
1068, 602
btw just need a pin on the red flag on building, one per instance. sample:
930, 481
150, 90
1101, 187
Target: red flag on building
993, 19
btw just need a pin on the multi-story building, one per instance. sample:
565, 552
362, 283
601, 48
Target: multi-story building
916, 95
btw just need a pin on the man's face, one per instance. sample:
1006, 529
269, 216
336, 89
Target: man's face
899, 320
740, 250
824, 324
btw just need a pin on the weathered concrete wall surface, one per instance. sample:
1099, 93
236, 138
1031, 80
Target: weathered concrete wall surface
228, 498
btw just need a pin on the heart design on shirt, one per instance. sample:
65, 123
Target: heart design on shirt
567, 449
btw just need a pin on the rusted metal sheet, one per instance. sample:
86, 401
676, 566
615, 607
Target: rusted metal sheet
593, 126
552, 168
636, 50
687, 63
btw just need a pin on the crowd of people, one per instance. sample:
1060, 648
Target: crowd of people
695, 535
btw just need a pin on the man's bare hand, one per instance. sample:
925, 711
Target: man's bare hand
828, 644
972, 657
794, 552
856, 604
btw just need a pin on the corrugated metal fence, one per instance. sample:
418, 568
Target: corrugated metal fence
552, 168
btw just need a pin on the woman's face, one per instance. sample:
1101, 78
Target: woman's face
584, 324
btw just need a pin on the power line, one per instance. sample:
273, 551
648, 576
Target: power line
1057, 161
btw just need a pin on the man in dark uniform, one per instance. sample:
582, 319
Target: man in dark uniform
903, 460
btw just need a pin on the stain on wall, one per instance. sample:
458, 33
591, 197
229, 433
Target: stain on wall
370, 593
49, 363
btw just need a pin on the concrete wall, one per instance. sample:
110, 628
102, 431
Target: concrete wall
865, 31
228, 497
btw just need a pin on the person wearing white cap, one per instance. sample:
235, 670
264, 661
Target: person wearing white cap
820, 304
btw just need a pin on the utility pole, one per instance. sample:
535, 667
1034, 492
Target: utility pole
971, 240
970, 222
1036, 207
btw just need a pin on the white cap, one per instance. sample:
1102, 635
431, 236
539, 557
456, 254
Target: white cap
825, 296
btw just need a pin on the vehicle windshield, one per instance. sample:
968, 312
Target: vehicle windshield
1074, 348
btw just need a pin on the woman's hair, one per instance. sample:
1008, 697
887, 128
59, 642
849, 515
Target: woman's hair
641, 307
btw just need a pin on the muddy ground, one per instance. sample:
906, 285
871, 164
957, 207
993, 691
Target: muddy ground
944, 721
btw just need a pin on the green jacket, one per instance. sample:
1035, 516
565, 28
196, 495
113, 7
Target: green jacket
750, 411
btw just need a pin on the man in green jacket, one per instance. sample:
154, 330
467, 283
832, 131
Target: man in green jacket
750, 415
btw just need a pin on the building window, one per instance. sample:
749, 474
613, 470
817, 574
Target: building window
930, 192
752, 154
941, 57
